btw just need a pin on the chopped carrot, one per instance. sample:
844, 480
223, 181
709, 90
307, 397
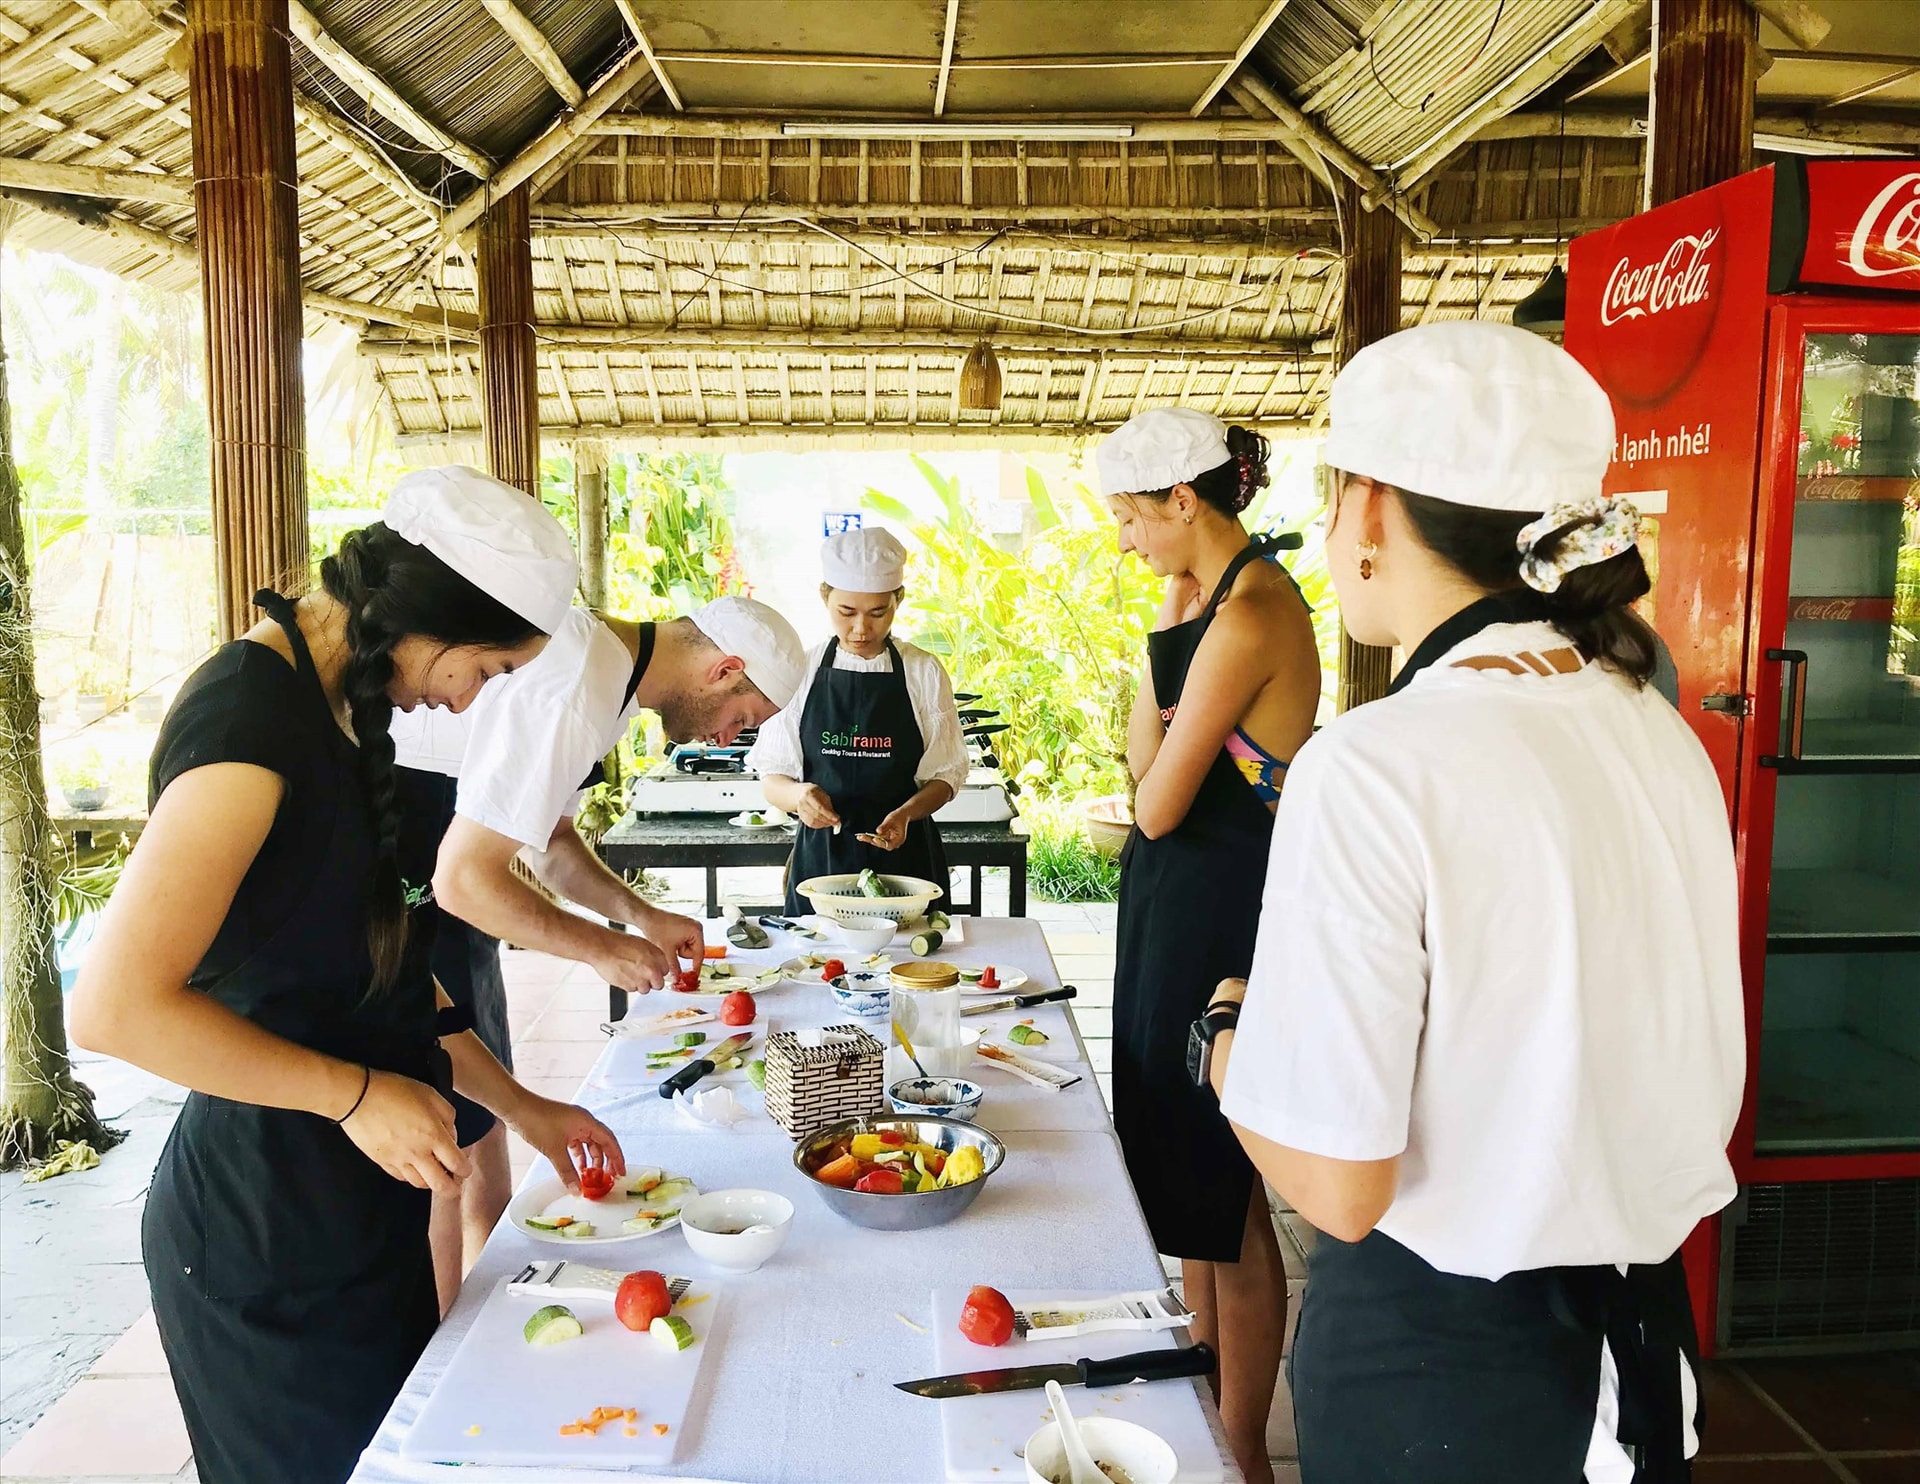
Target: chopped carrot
571, 1429
563, 1221
659, 1429
631, 1415
608, 1414
632, 1432
716, 950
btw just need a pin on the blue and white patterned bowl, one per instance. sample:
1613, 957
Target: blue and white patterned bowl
863, 993
937, 1097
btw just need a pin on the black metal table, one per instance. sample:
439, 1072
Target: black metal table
668, 841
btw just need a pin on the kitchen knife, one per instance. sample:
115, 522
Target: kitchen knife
1023, 1001
692, 1072
1121, 1370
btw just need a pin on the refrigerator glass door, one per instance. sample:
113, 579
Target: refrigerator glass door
1839, 1055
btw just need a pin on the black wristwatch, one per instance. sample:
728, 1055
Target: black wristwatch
1200, 1039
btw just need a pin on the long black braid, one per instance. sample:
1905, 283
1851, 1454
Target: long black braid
390, 589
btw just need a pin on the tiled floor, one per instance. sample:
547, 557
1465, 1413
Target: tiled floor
1855, 1420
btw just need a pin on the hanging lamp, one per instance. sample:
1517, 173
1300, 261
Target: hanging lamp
980, 379
1544, 311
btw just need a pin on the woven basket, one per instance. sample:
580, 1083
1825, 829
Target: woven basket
809, 1087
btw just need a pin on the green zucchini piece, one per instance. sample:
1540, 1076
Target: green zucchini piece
551, 1326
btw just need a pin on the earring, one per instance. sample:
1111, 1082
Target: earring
1366, 549
1188, 519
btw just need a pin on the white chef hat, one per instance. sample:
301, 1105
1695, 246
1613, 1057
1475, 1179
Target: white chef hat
753, 632
499, 538
1473, 413
863, 561
1159, 448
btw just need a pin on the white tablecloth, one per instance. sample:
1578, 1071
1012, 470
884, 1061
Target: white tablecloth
799, 1383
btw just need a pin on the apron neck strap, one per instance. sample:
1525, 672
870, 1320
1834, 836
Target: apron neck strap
642, 659
281, 611
1253, 551
1520, 605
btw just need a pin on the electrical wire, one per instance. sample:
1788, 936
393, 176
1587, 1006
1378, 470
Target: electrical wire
1440, 87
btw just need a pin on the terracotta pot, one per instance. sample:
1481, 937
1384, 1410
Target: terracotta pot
1108, 821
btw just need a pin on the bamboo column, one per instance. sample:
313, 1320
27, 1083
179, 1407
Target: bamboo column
244, 189
590, 501
1369, 311
509, 375
1701, 112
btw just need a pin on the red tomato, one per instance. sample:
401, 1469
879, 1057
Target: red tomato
880, 1182
892, 1137
642, 1298
738, 1008
595, 1183
986, 1318
832, 969
687, 982
989, 979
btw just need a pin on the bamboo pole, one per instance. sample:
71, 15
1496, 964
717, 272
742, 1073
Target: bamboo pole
1700, 117
590, 501
247, 208
509, 367
93, 180
1369, 311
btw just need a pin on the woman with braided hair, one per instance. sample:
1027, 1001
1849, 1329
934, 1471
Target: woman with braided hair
1228, 693
257, 951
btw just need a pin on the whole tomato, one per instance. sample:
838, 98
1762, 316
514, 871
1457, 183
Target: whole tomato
738, 1008
596, 1184
641, 1299
986, 1318
883, 1181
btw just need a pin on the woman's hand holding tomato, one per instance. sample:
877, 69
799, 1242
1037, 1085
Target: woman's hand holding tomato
575, 1143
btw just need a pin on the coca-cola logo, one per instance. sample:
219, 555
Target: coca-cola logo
1886, 240
1661, 297
1683, 275
1824, 608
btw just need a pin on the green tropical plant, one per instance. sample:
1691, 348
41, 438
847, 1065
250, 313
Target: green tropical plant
1061, 865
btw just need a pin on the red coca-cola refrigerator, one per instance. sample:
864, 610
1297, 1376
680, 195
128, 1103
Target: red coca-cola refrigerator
1760, 342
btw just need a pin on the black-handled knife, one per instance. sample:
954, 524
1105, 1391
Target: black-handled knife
693, 1071
1121, 1370
1024, 1001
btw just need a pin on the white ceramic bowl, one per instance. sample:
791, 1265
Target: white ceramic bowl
1146, 1457
710, 1222
866, 934
938, 1097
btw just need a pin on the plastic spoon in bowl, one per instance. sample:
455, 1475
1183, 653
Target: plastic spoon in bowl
907, 1046
1081, 1469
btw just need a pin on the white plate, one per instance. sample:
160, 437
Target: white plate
768, 821
792, 968
725, 984
552, 1198
1011, 982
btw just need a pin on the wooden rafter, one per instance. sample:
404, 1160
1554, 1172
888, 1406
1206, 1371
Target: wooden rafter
535, 47
946, 57
632, 19
364, 81
321, 121
91, 76
91, 180
1867, 90
1247, 44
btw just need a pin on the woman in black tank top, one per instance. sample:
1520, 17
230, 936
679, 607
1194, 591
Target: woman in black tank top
257, 952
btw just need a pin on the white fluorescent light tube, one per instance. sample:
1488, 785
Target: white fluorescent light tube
803, 129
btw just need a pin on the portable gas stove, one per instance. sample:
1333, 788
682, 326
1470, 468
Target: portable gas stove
696, 778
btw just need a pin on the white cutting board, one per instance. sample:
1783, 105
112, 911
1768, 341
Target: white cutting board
519, 1395
982, 1436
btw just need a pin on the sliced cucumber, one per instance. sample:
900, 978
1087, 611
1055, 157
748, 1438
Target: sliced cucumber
971, 976
1026, 1035
674, 1331
670, 1189
869, 884
649, 1221
925, 943
577, 1229
644, 1180
690, 1038
939, 921
552, 1326
541, 1224
757, 1074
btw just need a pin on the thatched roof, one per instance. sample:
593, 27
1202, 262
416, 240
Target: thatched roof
1130, 199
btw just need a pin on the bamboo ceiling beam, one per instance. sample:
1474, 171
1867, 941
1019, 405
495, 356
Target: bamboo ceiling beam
535, 47
92, 180
1592, 123
1288, 138
951, 129
1337, 154
1232, 65
92, 76
358, 76
616, 85
869, 63
657, 336
1545, 67
1804, 26
1867, 90
613, 214
320, 121
628, 14
946, 58
892, 433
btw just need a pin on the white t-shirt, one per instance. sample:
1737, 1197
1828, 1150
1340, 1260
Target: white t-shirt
1499, 940
528, 741
944, 746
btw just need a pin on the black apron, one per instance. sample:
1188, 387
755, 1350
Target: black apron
861, 744
1403, 1374
1189, 912
292, 1279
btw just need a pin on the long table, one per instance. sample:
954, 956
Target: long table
800, 1387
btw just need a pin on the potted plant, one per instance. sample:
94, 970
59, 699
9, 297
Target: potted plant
82, 780
149, 707
1108, 820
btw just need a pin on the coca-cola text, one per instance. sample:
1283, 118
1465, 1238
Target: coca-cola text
1681, 277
